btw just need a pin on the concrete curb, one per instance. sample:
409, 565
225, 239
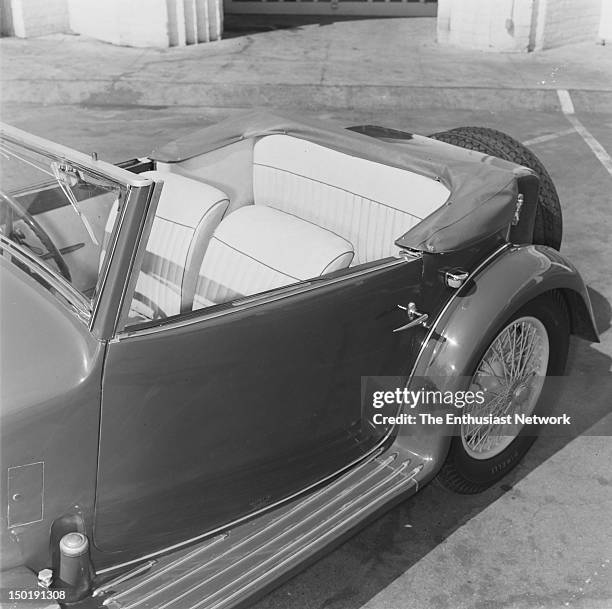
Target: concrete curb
301, 96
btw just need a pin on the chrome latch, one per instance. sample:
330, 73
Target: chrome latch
416, 318
520, 199
455, 278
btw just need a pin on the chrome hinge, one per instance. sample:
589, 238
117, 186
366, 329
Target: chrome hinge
520, 199
410, 254
416, 318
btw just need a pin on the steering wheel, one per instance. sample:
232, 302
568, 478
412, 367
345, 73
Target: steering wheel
38, 230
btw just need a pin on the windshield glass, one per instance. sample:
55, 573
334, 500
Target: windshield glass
60, 212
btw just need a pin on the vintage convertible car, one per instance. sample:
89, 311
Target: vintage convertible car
194, 343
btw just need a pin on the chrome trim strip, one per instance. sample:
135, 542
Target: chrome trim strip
288, 290
129, 195
59, 283
450, 301
41, 145
127, 576
252, 301
156, 574
406, 481
144, 229
108, 259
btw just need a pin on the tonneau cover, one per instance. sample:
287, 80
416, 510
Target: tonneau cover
483, 188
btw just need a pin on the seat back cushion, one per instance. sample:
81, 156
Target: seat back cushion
258, 248
187, 214
367, 203
229, 169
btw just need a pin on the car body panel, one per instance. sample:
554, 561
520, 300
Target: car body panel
52, 422
216, 439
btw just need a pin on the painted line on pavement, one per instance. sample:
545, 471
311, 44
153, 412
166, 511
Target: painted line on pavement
551, 136
565, 99
567, 107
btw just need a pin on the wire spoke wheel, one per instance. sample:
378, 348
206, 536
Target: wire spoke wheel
511, 375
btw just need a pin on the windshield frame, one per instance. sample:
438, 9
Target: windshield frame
136, 190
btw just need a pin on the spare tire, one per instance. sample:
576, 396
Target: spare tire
548, 229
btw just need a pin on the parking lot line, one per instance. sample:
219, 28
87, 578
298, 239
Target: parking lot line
549, 137
567, 107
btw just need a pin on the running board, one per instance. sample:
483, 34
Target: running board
225, 570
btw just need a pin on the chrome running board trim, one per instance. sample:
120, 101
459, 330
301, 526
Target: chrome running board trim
224, 571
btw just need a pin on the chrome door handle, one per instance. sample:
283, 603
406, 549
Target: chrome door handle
415, 322
416, 318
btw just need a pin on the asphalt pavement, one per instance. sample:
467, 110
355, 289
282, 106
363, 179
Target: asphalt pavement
541, 538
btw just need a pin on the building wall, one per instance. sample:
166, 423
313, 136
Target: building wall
518, 25
193, 21
567, 21
38, 17
605, 25
139, 23
502, 25
6, 19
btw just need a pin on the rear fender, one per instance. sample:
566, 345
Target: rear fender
471, 319
474, 314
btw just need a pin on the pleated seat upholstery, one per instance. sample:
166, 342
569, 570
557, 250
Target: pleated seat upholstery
258, 248
367, 203
187, 214
313, 210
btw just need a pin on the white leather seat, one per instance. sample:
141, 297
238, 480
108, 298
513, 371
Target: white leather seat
258, 248
187, 214
367, 203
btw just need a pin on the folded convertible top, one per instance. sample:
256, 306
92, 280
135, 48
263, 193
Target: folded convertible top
483, 188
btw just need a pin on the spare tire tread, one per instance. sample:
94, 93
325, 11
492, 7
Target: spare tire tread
548, 228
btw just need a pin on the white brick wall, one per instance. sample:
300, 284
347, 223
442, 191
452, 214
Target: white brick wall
499, 25
567, 21
138, 23
519, 25
38, 17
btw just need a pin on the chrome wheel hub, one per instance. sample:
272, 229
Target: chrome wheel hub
511, 376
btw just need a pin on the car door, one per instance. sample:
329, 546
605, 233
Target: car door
211, 416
